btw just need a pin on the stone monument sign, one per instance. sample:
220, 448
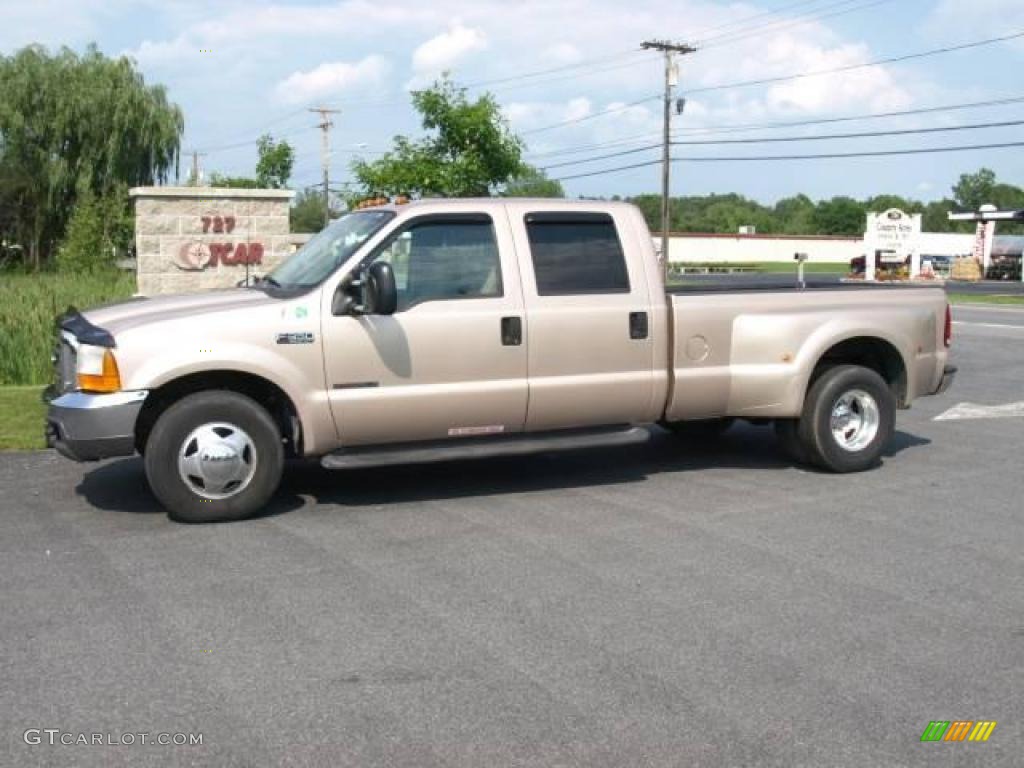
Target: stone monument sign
199, 238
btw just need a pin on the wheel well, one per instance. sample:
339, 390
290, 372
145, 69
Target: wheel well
265, 392
871, 352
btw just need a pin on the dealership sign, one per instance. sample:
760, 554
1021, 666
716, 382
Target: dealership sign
197, 256
894, 231
891, 237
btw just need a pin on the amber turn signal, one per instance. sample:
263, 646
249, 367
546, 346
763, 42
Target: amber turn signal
108, 380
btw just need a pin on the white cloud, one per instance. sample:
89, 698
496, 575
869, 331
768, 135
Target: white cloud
331, 78
870, 89
444, 51
979, 17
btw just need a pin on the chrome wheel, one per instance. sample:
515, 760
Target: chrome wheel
217, 460
855, 420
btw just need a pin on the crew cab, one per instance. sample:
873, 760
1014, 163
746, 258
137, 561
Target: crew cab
452, 329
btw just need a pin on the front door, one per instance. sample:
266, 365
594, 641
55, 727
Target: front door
451, 362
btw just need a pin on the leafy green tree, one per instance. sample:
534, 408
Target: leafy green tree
881, 203
533, 182
72, 123
840, 216
307, 211
233, 182
469, 150
974, 190
935, 217
276, 159
795, 215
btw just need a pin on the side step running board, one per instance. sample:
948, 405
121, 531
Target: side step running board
481, 447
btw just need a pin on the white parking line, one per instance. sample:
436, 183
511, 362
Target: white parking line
975, 411
989, 325
969, 307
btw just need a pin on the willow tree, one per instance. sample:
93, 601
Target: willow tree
74, 124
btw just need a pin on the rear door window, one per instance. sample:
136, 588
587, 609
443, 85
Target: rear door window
576, 254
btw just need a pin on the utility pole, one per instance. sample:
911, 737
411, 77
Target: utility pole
325, 154
668, 48
195, 166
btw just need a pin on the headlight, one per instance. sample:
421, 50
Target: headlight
97, 369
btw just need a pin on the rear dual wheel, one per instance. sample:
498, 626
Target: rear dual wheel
848, 419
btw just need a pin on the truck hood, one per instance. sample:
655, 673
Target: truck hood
117, 318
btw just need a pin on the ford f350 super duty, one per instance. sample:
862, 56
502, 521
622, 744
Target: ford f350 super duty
448, 329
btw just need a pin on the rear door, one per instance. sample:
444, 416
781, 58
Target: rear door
588, 306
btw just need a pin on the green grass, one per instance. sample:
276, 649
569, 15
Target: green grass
789, 267
981, 298
785, 267
28, 306
21, 418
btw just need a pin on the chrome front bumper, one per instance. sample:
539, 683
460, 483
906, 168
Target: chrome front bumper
86, 427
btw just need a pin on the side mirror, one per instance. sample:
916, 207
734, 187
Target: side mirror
372, 293
380, 293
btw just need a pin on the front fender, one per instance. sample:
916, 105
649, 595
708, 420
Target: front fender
292, 372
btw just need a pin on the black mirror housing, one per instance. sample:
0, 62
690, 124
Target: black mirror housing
374, 292
380, 292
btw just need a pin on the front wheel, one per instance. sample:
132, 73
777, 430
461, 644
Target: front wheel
848, 419
214, 456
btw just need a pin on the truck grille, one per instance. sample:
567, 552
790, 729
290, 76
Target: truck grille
64, 360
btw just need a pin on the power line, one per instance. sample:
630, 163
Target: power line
854, 118
700, 34
769, 158
742, 128
592, 116
851, 67
565, 67
782, 24
860, 135
774, 139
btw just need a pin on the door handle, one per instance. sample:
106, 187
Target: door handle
511, 331
638, 328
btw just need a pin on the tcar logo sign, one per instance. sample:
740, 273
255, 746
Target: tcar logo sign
195, 257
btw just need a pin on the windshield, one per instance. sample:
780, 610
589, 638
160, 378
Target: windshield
327, 251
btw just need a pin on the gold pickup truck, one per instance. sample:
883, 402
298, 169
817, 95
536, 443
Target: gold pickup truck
448, 329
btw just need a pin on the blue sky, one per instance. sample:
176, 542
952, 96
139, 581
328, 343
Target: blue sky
240, 69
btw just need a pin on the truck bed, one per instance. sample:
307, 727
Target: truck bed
751, 350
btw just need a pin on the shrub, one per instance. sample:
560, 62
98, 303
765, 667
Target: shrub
100, 231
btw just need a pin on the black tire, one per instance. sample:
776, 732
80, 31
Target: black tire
820, 444
183, 502
787, 431
702, 429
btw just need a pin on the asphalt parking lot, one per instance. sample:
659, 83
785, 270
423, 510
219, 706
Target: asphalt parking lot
659, 605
